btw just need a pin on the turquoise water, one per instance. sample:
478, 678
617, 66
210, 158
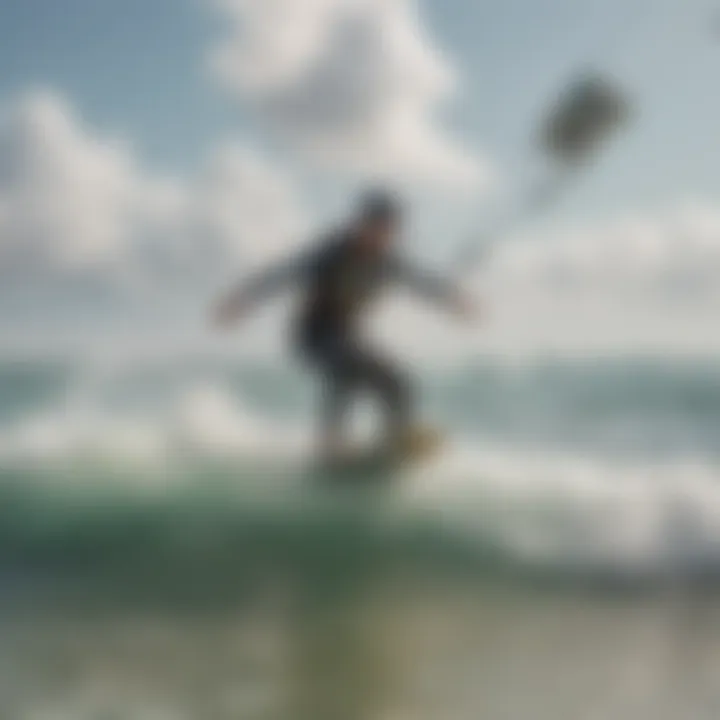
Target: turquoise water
167, 552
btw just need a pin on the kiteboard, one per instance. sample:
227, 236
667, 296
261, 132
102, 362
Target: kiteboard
365, 464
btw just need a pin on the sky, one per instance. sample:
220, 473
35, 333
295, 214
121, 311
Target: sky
150, 153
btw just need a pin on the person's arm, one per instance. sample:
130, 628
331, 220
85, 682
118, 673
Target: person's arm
432, 286
262, 286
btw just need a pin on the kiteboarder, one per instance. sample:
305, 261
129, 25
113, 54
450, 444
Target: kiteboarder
340, 275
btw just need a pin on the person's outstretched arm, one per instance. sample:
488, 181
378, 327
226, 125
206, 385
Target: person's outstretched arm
262, 286
433, 286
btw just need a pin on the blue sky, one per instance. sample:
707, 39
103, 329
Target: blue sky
133, 66
142, 72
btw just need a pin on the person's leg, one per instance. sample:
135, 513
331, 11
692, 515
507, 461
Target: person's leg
346, 368
391, 386
336, 370
336, 396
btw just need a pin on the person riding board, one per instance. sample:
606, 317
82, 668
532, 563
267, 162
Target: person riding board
340, 275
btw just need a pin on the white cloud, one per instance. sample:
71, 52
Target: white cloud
71, 199
66, 197
80, 218
643, 284
675, 249
244, 205
355, 84
239, 211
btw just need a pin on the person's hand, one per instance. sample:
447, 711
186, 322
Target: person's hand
227, 313
466, 308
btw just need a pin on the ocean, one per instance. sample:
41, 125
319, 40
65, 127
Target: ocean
167, 552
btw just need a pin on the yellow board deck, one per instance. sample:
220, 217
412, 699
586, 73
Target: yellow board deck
420, 444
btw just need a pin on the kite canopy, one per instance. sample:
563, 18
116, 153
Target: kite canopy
586, 115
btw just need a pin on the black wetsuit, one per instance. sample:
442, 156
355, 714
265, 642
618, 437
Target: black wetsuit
339, 280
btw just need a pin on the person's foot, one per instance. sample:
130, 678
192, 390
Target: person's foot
412, 439
334, 454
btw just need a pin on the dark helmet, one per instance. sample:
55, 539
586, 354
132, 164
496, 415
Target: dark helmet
380, 205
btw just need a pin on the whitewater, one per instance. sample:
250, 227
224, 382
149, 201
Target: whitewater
149, 506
